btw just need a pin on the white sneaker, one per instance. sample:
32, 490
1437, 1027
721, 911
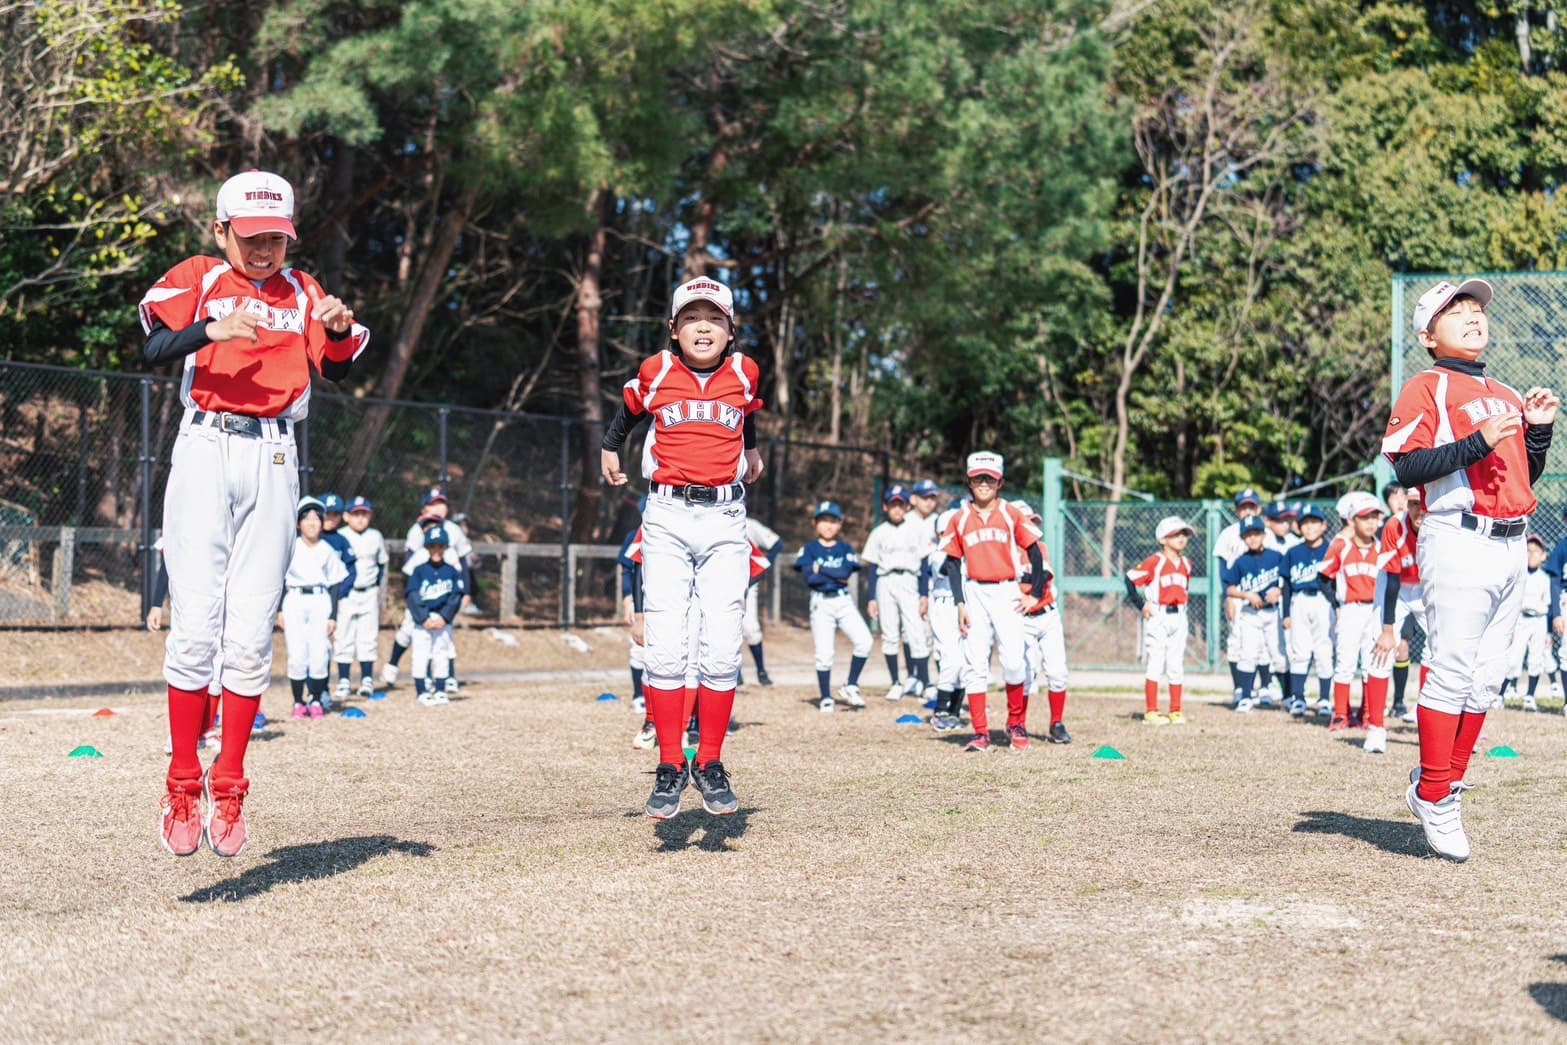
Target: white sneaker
646, 737
1556, 689
1376, 741
1325, 709
431, 700
825, 706
1529, 704
1237, 696
1409, 714
389, 674
896, 692
1244, 705
850, 695
452, 686
1298, 708
913, 687
1443, 823
366, 686
341, 693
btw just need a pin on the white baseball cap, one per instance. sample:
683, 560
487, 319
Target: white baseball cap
983, 462
1357, 503
1441, 295
703, 288
1171, 525
257, 201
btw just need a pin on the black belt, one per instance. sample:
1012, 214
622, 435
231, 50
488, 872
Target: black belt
702, 494
1314, 593
309, 589
832, 594
894, 573
1496, 529
1040, 613
1359, 602
1174, 607
238, 424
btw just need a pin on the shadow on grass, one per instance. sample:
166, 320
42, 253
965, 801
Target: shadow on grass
1391, 836
1552, 997
695, 828
305, 863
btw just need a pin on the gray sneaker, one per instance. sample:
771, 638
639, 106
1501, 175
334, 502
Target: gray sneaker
669, 781
713, 782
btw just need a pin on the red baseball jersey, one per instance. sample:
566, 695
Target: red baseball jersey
1357, 567
1171, 581
1442, 406
697, 436
1398, 549
268, 377
986, 541
759, 560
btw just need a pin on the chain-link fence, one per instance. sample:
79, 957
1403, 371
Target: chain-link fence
84, 458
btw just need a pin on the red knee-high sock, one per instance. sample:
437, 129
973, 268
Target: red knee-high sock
713, 710
666, 707
1151, 695
1017, 705
1469, 726
976, 712
1175, 696
1058, 704
1425, 673
1376, 701
1438, 734
239, 717
186, 708
1341, 699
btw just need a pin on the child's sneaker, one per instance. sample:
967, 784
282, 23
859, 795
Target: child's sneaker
717, 797
300, 711
1409, 715
315, 710
1155, 718
342, 689
1245, 705
431, 699
825, 705
639, 705
669, 782
1338, 725
1529, 704
180, 826
850, 695
646, 737
225, 824
389, 674
366, 686
212, 740
895, 692
1324, 709
1298, 708
1376, 741
452, 686
1018, 737
1177, 718
981, 742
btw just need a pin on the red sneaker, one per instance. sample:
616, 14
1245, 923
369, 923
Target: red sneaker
1338, 724
225, 827
981, 742
181, 826
1019, 738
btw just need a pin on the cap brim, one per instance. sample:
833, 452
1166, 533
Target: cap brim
1365, 512
674, 312
248, 227
985, 471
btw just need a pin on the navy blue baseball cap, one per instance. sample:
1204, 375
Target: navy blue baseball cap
436, 535
1248, 495
828, 508
895, 493
926, 488
1311, 511
1279, 510
434, 495
360, 504
331, 502
1253, 525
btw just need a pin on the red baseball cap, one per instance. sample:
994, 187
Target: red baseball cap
257, 201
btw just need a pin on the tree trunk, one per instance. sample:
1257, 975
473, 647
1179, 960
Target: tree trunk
426, 292
590, 303
333, 259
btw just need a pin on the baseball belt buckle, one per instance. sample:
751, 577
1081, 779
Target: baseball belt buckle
239, 424
701, 494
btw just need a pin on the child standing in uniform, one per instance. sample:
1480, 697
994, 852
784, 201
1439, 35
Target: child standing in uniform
1476, 447
827, 564
247, 331
1400, 536
898, 589
309, 612
1167, 576
1308, 613
946, 635
1044, 638
985, 539
435, 592
360, 627
1353, 561
762, 539
1256, 579
702, 396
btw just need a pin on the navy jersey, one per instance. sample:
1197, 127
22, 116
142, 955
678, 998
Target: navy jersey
1555, 563
1302, 564
1256, 573
631, 546
345, 551
827, 569
435, 588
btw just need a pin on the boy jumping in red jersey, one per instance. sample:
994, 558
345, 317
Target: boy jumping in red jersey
248, 330
701, 395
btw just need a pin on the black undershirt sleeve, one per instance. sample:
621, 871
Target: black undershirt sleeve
1536, 441
331, 369
1288, 589
1036, 567
954, 571
165, 345
619, 429
1390, 599
1419, 467
1133, 595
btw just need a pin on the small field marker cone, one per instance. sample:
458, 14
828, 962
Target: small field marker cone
103, 713
910, 720
1109, 754
1501, 751
379, 694
261, 721
690, 754
86, 751
605, 698
354, 713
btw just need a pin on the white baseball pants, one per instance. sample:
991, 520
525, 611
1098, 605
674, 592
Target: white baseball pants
751, 623
1530, 649
828, 614
1359, 623
994, 619
358, 624
305, 618
693, 555
1164, 646
898, 601
228, 531
1258, 631
1310, 634
433, 652
1045, 650
949, 641
1473, 594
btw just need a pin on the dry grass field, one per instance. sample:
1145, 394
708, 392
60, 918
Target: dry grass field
483, 871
